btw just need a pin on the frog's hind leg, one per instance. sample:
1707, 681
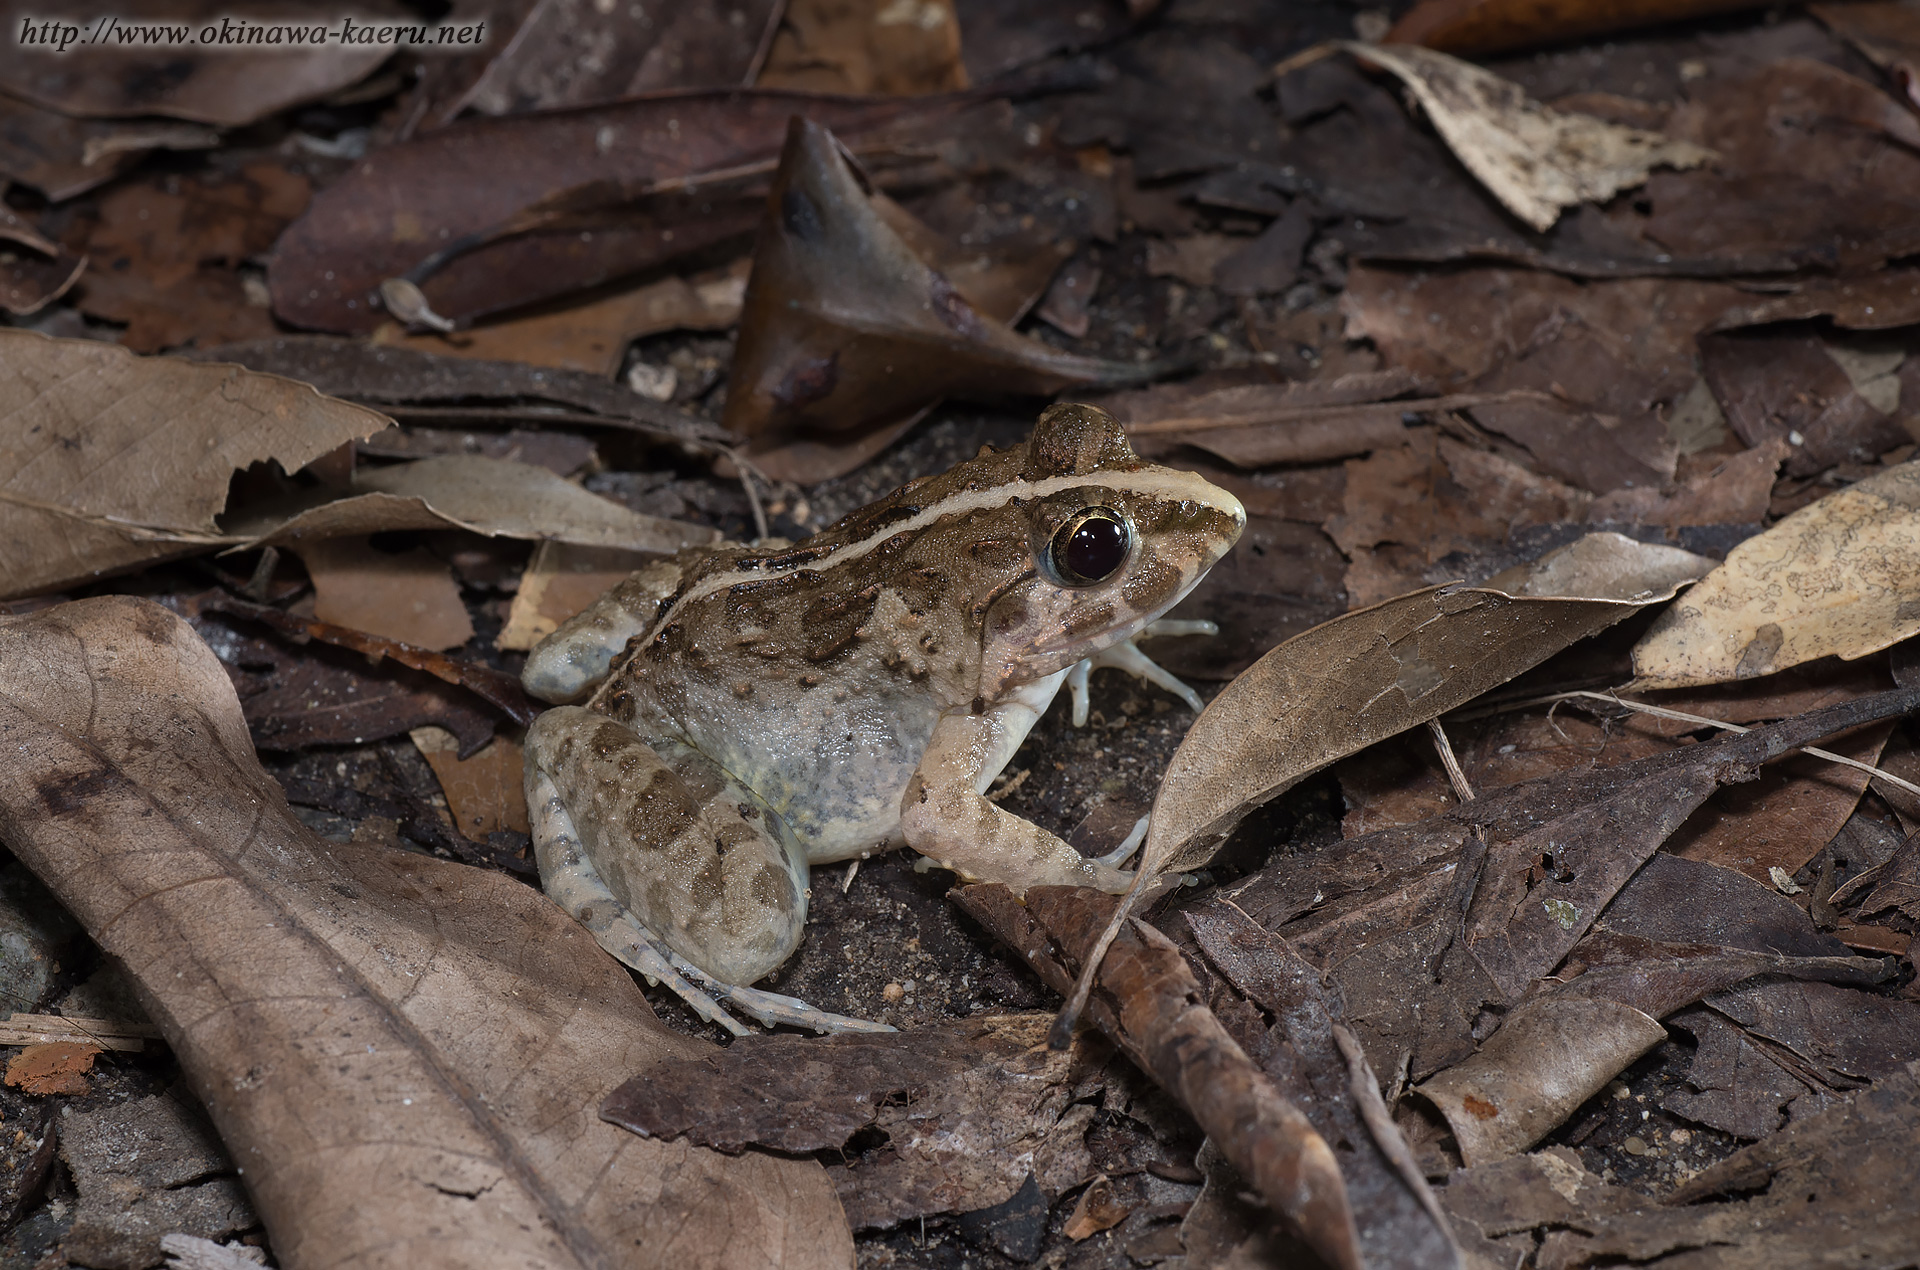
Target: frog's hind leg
675, 868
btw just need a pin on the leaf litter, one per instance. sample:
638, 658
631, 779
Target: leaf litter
1409, 386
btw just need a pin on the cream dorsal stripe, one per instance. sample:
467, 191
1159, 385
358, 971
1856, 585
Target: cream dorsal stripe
1159, 482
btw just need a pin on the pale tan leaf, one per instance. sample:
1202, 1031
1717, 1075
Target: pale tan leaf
108, 460
1339, 687
406, 1055
1534, 159
1605, 566
1838, 578
494, 497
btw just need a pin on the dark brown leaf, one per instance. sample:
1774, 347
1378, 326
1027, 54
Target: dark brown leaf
495, 687
167, 254
1785, 385
38, 272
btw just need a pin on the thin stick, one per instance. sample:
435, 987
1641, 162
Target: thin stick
747, 472
1449, 761
1318, 414
1703, 721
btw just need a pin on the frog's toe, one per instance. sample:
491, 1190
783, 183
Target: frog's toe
1126, 655
776, 1010
1128, 845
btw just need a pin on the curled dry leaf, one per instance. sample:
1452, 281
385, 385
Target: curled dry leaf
847, 332
1534, 159
1838, 578
108, 460
1549, 1056
493, 497
969, 1109
458, 1029
35, 278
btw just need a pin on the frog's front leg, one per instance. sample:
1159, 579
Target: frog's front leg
945, 815
1126, 655
676, 868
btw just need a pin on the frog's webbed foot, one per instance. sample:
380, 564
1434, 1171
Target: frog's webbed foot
1127, 656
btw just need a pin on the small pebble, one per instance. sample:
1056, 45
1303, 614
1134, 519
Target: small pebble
1636, 1146
893, 992
1682, 1136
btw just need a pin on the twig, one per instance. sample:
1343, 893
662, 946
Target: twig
747, 471
1700, 719
1449, 761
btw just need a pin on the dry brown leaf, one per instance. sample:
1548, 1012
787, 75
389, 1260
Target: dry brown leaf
53, 1067
108, 460
1838, 578
485, 791
1781, 820
492, 497
166, 254
1733, 492
1340, 687
1534, 159
1491, 26
409, 596
32, 279
455, 1029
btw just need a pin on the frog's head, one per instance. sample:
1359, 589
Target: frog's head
1115, 542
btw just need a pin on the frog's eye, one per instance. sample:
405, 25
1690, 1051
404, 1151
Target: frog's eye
1091, 546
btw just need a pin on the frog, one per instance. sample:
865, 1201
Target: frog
726, 720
